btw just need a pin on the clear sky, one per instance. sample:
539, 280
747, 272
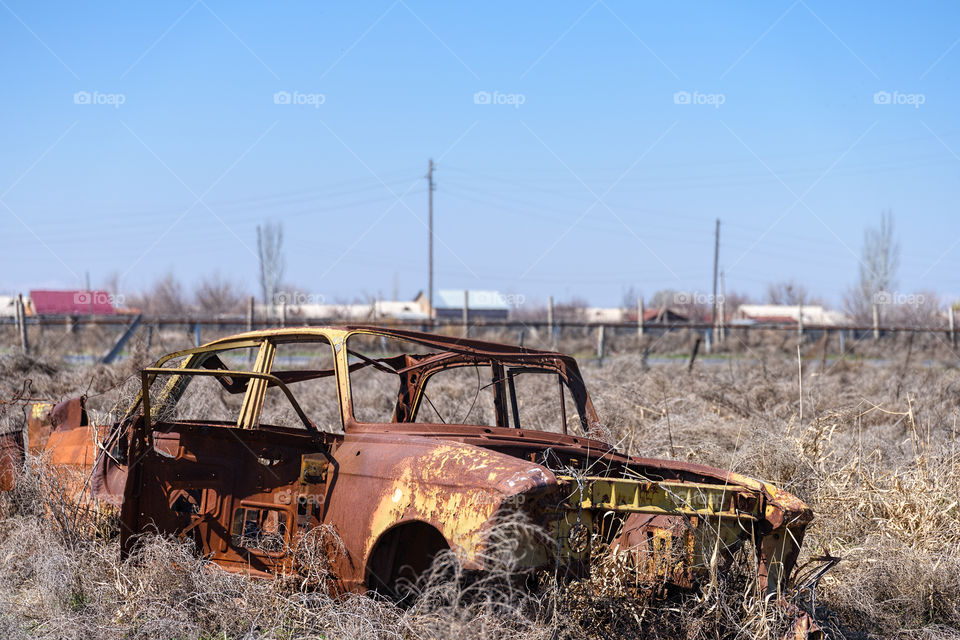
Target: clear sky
581, 171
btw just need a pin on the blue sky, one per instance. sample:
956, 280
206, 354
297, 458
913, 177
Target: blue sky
585, 174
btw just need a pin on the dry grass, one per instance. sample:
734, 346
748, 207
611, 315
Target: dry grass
875, 455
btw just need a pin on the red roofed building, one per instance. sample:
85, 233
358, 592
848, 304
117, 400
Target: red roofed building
72, 303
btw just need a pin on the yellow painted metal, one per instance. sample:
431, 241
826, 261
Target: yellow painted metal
313, 468
658, 498
253, 400
716, 518
175, 383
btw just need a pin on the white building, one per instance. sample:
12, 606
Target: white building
8, 306
604, 315
785, 313
374, 311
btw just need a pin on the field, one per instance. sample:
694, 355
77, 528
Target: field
870, 443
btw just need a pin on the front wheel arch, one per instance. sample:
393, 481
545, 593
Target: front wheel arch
401, 555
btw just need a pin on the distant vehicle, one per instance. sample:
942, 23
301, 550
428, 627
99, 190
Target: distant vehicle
406, 444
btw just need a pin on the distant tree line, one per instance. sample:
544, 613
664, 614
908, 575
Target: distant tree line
875, 290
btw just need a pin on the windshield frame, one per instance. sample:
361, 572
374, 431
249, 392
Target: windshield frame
472, 353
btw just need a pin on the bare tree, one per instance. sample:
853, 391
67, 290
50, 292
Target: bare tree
665, 298
572, 310
879, 261
111, 284
272, 260
920, 309
788, 292
215, 294
732, 301
163, 298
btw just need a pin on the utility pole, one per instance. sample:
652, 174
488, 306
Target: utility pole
716, 262
430, 189
722, 336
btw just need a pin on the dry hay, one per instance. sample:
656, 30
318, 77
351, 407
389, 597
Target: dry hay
875, 455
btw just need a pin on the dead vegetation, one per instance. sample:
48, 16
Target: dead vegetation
874, 454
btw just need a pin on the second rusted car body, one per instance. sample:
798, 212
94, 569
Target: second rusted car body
400, 489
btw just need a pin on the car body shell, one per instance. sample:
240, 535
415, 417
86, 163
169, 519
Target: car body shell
397, 493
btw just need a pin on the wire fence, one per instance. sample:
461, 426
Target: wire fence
111, 335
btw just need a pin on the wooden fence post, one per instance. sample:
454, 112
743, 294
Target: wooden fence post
721, 327
693, 354
22, 322
601, 343
640, 317
466, 313
953, 336
876, 321
550, 317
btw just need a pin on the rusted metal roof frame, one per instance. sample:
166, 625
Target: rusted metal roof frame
337, 337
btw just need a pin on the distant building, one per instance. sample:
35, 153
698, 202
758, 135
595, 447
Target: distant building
359, 313
604, 315
788, 314
8, 306
483, 304
72, 303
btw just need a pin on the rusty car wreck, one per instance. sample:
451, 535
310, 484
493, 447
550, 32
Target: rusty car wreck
406, 444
